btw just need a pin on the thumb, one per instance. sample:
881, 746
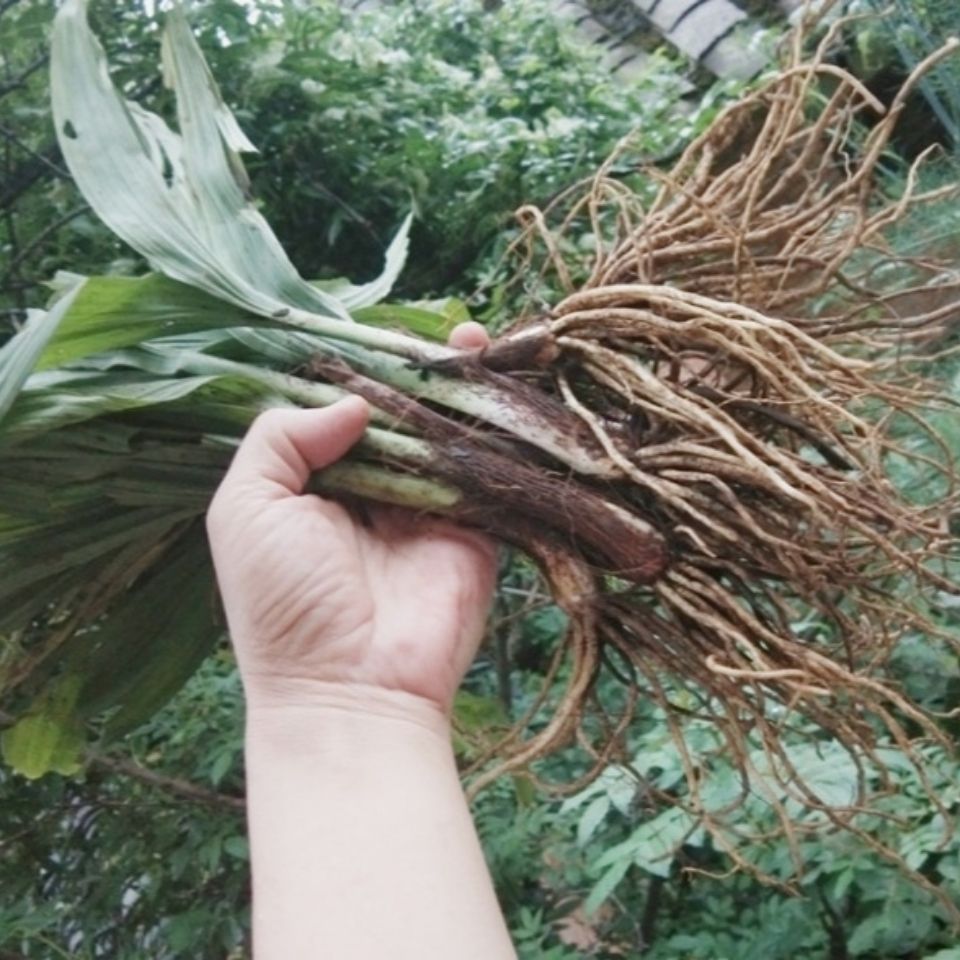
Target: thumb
284, 446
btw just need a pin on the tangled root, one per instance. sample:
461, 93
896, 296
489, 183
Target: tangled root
731, 357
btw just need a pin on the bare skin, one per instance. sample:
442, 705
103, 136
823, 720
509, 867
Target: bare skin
352, 639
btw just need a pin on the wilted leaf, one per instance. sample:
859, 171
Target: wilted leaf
575, 931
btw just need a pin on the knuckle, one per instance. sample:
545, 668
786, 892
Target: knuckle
269, 422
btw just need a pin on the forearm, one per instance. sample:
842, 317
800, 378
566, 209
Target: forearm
362, 843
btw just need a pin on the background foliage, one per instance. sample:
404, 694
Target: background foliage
459, 112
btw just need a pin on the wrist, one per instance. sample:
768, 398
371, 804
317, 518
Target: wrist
297, 713
360, 835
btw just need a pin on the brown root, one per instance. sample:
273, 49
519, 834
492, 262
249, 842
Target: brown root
508, 493
732, 356
736, 381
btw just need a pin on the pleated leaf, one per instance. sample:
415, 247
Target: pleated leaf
53, 401
153, 639
69, 558
126, 663
181, 200
109, 313
20, 354
109, 500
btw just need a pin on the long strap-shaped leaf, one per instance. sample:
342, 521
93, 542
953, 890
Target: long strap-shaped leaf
180, 200
20, 354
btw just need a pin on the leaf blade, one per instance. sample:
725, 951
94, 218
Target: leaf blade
20, 355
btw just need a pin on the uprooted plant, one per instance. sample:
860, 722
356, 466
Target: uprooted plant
692, 443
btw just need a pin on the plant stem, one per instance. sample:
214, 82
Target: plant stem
386, 486
383, 438
373, 338
404, 363
546, 425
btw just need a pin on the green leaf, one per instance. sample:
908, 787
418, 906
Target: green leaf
919, 844
842, 882
616, 783
59, 399
826, 769
178, 200
723, 788
181, 931
52, 403
20, 354
82, 506
153, 640
181, 200
48, 738
621, 787
868, 934
525, 790
473, 714
606, 885
221, 765
593, 816
428, 318
108, 313
134, 659
654, 844
453, 309
891, 932
237, 847
32, 555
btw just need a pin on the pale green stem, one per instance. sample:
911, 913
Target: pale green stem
308, 392
397, 446
373, 338
381, 438
385, 486
494, 407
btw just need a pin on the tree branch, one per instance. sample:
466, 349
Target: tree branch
43, 157
28, 172
18, 82
12, 243
180, 788
833, 925
40, 238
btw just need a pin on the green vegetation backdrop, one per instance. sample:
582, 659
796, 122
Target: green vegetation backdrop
459, 111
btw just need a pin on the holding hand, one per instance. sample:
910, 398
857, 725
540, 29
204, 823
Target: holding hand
315, 596
352, 637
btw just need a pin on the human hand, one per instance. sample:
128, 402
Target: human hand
317, 600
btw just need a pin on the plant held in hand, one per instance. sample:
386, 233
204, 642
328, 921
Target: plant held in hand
693, 443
